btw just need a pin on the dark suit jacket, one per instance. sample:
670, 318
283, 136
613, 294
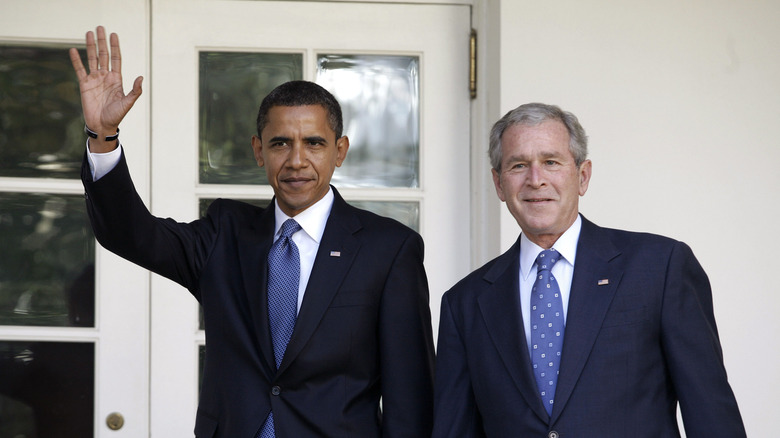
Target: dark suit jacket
363, 331
632, 349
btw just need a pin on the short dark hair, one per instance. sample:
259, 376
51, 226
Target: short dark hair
300, 93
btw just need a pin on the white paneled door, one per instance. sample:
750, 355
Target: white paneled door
74, 319
400, 72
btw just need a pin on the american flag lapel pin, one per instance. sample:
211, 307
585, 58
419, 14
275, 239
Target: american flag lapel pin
335, 253
603, 282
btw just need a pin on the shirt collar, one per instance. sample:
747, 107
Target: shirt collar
312, 220
566, 245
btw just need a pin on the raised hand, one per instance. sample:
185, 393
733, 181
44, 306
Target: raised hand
103, 100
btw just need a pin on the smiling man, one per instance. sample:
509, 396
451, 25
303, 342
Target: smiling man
576, 331
314, 310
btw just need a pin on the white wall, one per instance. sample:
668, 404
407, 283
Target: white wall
681, 101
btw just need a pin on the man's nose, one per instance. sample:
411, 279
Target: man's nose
297, 155
536, 175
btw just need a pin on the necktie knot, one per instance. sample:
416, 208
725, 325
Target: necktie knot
547, 259
289, 227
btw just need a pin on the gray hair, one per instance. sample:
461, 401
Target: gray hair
532, 114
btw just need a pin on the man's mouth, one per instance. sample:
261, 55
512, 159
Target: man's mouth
296, 180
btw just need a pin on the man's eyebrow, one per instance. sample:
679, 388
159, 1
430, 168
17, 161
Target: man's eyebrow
516, 158
548, 155
543, 155
315, 139
279, 138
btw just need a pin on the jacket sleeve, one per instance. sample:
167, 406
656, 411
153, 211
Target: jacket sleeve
123, 225
693, 352
455, 407
406, 346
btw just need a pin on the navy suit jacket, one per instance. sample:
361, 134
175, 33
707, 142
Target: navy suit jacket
363, 331
640, 336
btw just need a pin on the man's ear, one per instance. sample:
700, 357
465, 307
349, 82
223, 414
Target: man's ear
497, 183
584, 173
257, 147
342, 146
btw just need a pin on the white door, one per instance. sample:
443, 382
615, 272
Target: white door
401, 74
74, 323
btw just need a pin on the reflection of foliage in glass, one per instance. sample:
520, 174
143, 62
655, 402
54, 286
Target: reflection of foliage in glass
41, 126
47, 265
232, 85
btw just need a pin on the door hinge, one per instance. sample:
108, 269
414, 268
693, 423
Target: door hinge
473, 64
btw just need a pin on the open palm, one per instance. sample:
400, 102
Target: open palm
103, 100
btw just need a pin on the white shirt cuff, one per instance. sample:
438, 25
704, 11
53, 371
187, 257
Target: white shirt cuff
101, 164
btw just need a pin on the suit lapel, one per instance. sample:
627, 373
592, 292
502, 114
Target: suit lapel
254, 245
500, 308
327, 274
589, 300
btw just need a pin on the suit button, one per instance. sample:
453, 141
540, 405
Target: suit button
276, 390
553, 434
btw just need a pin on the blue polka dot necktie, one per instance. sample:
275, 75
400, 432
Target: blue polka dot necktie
284, 272
546, 327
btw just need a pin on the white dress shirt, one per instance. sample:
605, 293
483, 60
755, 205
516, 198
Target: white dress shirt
307, 239
563, 271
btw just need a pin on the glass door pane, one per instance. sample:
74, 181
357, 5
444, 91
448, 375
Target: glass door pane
232, 84
380, 99
47, 267
46, 389
406, 212
41, 128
